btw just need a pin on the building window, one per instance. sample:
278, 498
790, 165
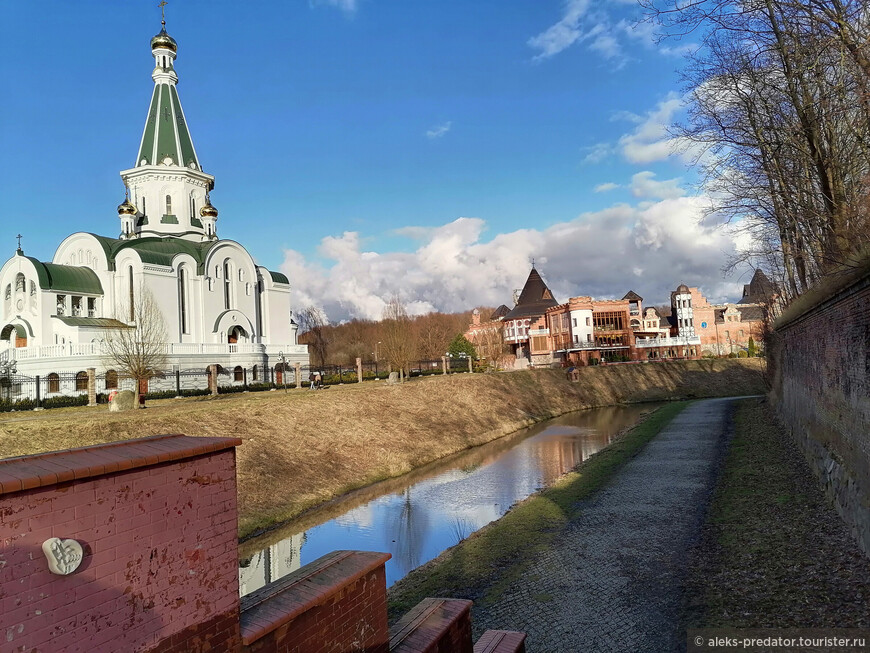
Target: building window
53, 382
132, 298
227, 289
575, 321
111, 379
741, 333
82, 381
255, 373
19, 283
76, 306
588, 321
588, 337
238, 374
182, 298
61, 304
32, 289
576, 339
92, 307
168, 205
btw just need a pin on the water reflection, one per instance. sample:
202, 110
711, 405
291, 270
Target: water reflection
418, 516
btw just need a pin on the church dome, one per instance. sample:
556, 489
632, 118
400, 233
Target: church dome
208, 211
163, 40
126, 208
682, 288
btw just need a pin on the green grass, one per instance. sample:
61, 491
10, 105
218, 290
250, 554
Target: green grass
773, 552
484, 565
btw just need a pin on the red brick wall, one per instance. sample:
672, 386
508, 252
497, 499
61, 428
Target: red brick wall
821, 383
160, 570
336, 603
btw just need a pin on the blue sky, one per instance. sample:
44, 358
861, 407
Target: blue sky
374, 147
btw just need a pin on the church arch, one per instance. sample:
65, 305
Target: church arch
53, 382
81, 381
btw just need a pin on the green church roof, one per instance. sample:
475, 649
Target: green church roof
67, 277
157, 250
277, 277
166, 133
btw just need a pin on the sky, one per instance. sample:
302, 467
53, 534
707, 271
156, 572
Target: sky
372, 148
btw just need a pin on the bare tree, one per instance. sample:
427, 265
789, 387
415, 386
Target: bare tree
138, 349
490, 343
313, 325
779, 106
397, 337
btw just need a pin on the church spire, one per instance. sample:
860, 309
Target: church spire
166, 183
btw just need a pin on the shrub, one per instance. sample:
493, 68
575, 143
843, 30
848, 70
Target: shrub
742, 354
63, 401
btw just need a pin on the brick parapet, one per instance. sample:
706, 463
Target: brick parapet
434, 625
337, 602
159, 570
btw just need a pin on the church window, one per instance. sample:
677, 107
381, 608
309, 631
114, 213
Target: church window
168, 205
32, 289
247, 289
227, 288
53, 382
192, 207
92, 307
111, 379
132, 312
61, 304
238, 374
254, 373
76, 306
82, 381
182, 298
19, 282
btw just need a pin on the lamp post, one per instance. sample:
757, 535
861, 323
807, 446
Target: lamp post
283, 369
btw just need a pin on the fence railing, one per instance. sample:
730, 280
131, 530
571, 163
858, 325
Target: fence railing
171, 349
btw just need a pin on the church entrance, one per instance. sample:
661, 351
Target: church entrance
236, 334
20, 339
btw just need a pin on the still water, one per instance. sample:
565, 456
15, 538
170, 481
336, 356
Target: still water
421, 514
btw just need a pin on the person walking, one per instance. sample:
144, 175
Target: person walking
318, 381
311, 380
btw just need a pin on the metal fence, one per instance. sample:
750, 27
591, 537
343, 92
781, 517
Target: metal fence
21, 392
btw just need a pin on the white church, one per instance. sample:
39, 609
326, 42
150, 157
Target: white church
218, 305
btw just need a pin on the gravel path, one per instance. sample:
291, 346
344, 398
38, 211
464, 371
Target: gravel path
614, 579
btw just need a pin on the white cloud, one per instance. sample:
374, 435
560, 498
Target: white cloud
597, 152
349, 7
562, 34
643, 185
439, 130
650, 247
607, 186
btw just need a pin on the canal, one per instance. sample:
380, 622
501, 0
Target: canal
419, 515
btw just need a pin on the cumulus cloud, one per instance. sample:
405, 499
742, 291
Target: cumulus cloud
439, 130
644, 185
607, 186
650, 247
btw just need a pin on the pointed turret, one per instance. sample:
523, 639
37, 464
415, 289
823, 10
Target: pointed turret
167, 185
534, 299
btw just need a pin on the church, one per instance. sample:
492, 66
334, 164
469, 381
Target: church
218, 306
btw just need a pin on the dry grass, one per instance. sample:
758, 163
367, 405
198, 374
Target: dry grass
303, 448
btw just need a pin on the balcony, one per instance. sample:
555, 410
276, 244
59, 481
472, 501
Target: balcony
680, 341
95, 350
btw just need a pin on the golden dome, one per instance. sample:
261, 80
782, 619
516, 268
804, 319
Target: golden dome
126, 208
163, 40
208, 211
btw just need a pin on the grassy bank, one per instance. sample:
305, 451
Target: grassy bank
303, 448
773, 552
493, 558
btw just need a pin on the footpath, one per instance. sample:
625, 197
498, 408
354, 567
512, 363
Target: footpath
614, 579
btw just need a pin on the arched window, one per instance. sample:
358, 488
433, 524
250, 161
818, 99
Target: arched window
82, 381
111, 379
182, 298
254, 373
53, 382
238, 374
169, 205
227, 289
19, 282
32, 289
132, 312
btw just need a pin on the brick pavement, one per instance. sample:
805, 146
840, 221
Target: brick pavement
614, 579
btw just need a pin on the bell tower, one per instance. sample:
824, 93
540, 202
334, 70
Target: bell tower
167, 189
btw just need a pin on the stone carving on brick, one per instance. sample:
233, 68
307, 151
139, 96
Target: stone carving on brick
64, 556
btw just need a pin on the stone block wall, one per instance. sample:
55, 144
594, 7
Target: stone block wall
156, 520
820, 358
